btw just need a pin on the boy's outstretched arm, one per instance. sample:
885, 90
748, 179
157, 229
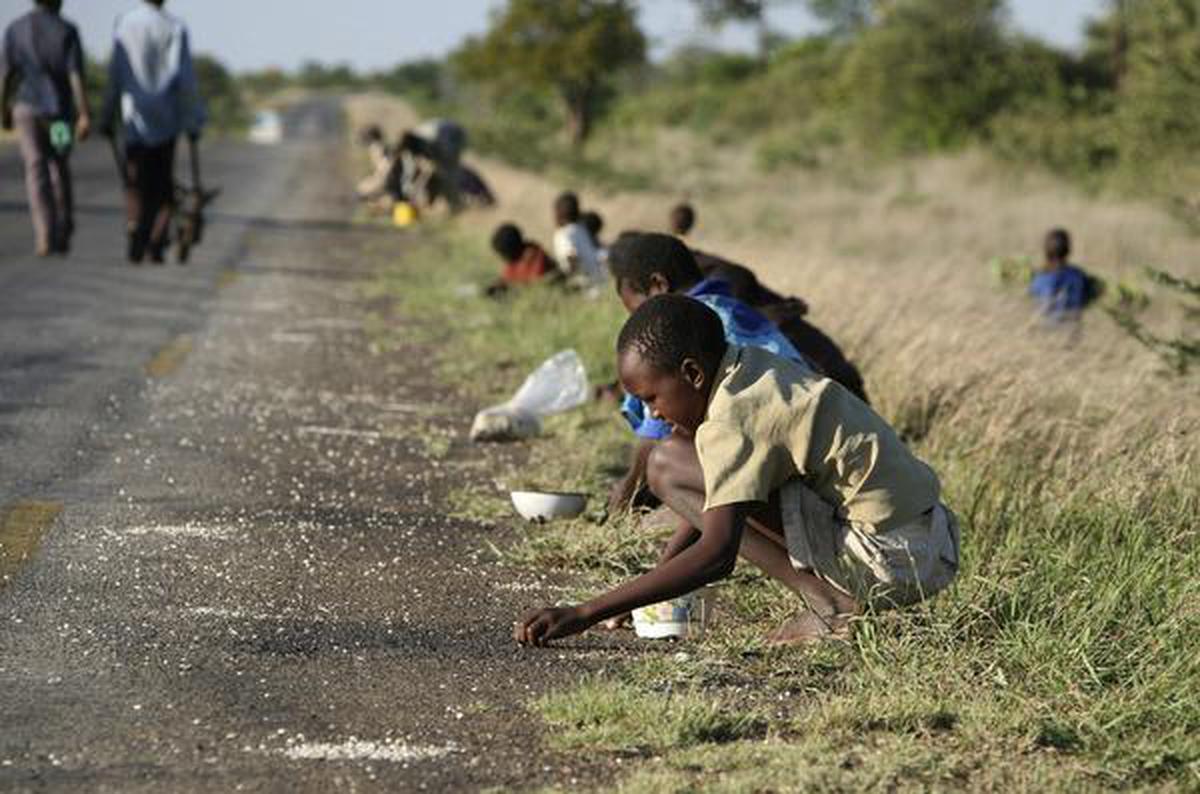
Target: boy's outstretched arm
710, 558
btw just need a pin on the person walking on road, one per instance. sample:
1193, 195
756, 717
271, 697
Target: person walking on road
152, 83
42, 96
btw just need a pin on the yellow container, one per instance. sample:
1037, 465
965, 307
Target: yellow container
404, 214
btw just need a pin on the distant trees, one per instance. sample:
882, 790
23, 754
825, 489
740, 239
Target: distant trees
227, 109
1159, 103
883, 77
574, 48
841, 17
928, 72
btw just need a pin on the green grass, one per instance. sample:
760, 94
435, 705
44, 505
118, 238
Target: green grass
601, 715
1067, 656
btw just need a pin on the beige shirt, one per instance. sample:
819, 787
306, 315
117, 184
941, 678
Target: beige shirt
770, 421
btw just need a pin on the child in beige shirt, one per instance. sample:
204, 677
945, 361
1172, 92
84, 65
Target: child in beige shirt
780, 466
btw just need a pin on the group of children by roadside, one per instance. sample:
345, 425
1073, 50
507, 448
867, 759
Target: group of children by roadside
424, 166
756, 433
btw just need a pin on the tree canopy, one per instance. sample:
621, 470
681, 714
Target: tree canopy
573, 47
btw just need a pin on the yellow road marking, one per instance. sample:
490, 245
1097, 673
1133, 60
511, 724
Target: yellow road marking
226, 278
170, 358
22, 525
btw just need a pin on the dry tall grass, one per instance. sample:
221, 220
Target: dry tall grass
893, 263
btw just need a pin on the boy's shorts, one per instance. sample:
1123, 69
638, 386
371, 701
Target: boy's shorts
895, 568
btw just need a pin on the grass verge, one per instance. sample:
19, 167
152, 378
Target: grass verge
1066, 658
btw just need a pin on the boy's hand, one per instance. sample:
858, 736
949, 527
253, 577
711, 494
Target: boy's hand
541, 625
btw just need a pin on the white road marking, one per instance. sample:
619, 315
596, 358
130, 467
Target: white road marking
292, 337
319, 430
364, 750
332, 323
230, 614
182, 531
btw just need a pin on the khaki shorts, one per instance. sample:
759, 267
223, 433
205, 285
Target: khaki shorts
896, 568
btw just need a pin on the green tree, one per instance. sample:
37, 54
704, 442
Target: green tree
421, 80
928, 73
1159, 97
571, 47
324, 77
718, 13
227, 110
843, 16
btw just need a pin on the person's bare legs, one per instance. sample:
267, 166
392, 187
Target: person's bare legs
160, 198
134, 189
675, 476
61, 189
34, 143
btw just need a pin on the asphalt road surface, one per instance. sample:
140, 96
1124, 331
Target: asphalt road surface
222, 566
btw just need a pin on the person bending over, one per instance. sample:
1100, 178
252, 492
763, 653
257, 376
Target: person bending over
524, 260
647, 264
777, 465
573, 246
787, 312
594, 223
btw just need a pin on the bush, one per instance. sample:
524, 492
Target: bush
928, 76
1077, 144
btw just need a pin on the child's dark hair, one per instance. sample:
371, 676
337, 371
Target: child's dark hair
566, 207
683, 218
1058, 244
635, 257
411, 142
592, 221
508, 242
667, 329
370, 134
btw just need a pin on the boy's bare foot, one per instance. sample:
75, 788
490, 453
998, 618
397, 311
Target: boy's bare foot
808, 628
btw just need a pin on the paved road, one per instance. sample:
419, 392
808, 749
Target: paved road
237, 578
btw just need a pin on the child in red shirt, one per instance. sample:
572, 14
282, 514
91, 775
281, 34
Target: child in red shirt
524, 260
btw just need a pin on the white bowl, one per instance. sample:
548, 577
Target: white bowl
547, 505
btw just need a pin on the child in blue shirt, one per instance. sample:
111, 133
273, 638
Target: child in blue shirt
1061, 289
646, 264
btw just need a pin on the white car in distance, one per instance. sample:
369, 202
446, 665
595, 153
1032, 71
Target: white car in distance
267, 127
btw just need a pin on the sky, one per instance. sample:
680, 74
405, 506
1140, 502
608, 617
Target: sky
374, 34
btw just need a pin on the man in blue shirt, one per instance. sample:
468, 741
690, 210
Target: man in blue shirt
1061, 289
152, 84
42, 96
647, 264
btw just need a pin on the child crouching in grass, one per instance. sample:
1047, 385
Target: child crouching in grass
775, 463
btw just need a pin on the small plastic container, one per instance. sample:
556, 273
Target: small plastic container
678, 618
403, 213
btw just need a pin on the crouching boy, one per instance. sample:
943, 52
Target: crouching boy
777, 464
